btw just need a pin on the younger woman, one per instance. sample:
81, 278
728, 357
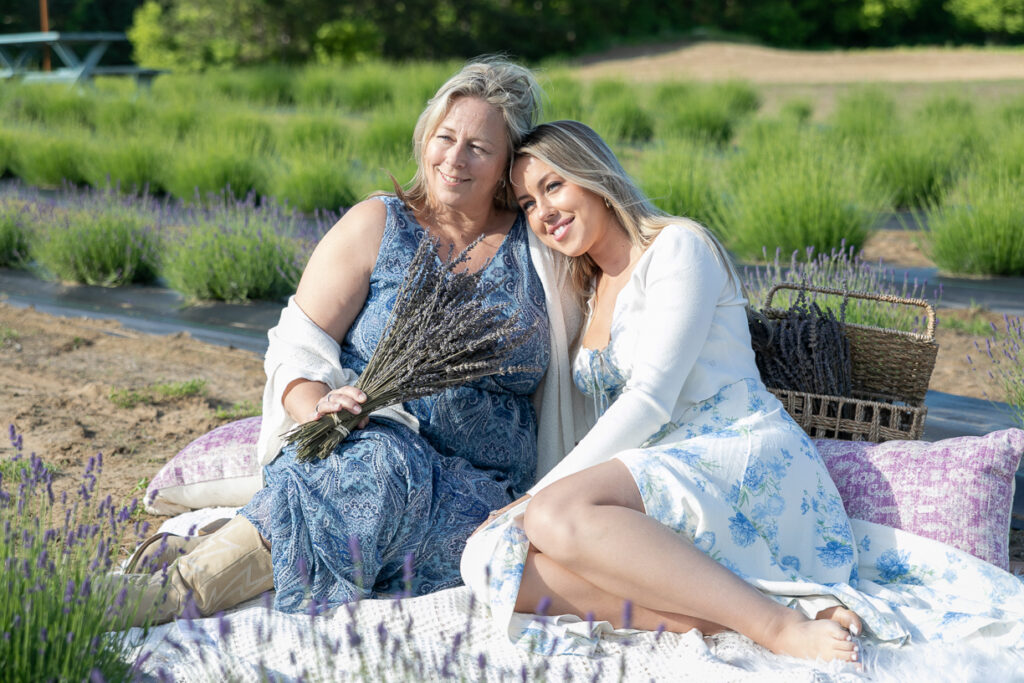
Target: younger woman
694, 497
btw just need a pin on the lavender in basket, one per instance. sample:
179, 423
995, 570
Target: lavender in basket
440, 333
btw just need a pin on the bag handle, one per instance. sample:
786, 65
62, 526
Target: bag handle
891, 298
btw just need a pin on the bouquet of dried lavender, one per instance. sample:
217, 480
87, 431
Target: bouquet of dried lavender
440, 333
804, 350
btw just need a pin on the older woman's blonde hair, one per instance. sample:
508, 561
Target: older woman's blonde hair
578, 154
511, 89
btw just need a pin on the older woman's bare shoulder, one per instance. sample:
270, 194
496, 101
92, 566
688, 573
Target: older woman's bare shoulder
359, 231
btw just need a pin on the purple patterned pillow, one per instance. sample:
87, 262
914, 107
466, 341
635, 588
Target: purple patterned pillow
219, 468
958, 491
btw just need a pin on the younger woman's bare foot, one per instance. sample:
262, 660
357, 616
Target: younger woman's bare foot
846, 618
797, 636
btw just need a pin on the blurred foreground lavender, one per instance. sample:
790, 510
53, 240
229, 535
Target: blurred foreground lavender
57, 608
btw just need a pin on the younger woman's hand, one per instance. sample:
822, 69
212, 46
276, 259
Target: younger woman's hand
344, 398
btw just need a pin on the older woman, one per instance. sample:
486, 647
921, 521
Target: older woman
417, 478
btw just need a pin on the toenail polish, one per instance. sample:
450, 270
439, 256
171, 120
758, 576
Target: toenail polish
853, 657
855, 629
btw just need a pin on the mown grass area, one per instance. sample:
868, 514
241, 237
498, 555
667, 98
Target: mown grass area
319, 138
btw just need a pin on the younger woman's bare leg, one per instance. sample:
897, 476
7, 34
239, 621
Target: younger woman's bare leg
593, 525
570, 593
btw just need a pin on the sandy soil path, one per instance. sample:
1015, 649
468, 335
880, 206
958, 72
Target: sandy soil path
716, 61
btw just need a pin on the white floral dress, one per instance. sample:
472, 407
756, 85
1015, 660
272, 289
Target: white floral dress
737, 477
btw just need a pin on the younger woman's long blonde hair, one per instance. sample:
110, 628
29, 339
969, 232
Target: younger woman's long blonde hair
578, 154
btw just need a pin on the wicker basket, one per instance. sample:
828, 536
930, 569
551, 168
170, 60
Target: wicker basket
890, 374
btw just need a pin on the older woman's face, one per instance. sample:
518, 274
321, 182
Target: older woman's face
467, 155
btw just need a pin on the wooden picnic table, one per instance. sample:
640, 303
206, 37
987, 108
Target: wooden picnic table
17, 49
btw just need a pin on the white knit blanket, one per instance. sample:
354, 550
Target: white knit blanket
449, 635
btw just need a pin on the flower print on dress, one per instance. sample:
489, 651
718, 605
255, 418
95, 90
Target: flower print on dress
894, 567
743, 531
835, 554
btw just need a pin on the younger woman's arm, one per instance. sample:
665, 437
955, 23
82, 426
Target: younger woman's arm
682, 285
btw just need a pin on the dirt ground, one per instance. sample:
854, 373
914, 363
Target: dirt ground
59, 374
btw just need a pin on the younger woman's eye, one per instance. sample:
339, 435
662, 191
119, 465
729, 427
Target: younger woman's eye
553, 185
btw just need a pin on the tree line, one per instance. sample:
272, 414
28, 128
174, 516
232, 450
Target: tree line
197, 34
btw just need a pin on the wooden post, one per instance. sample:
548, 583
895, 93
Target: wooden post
44, 24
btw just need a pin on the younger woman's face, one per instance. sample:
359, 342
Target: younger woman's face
565, 216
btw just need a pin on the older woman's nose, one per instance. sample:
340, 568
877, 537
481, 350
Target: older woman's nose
457, 155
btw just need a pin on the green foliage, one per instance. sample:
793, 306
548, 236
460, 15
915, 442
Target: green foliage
1005, 349
616, 114
313, 132
192, 35
979, 228
15, 231
238, 411
995, 17
794, 191
155, 393
319, 180
49, 159
198, 170
563, 99
269, 85
346, 41
133, 165
121, 115
387, 134
231, 252
707, 112
59, 613
51, 104
7, 147
109, 243
864, 115
916, 166
797, 110
681, 177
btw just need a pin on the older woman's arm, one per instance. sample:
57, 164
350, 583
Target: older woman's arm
332, 291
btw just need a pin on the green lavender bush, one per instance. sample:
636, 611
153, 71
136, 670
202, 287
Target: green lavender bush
916, 165
979, 227
617, 115
102, 239
234, 251
1005, 350
134, 165
48, 158
15, 227
314, 181
682, 178
58, 611
864, 115
791, 191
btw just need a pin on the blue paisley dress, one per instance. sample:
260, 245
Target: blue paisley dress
341, 528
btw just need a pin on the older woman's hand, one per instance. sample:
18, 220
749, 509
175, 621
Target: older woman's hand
343, 398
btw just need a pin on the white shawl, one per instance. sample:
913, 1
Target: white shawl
299, 349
